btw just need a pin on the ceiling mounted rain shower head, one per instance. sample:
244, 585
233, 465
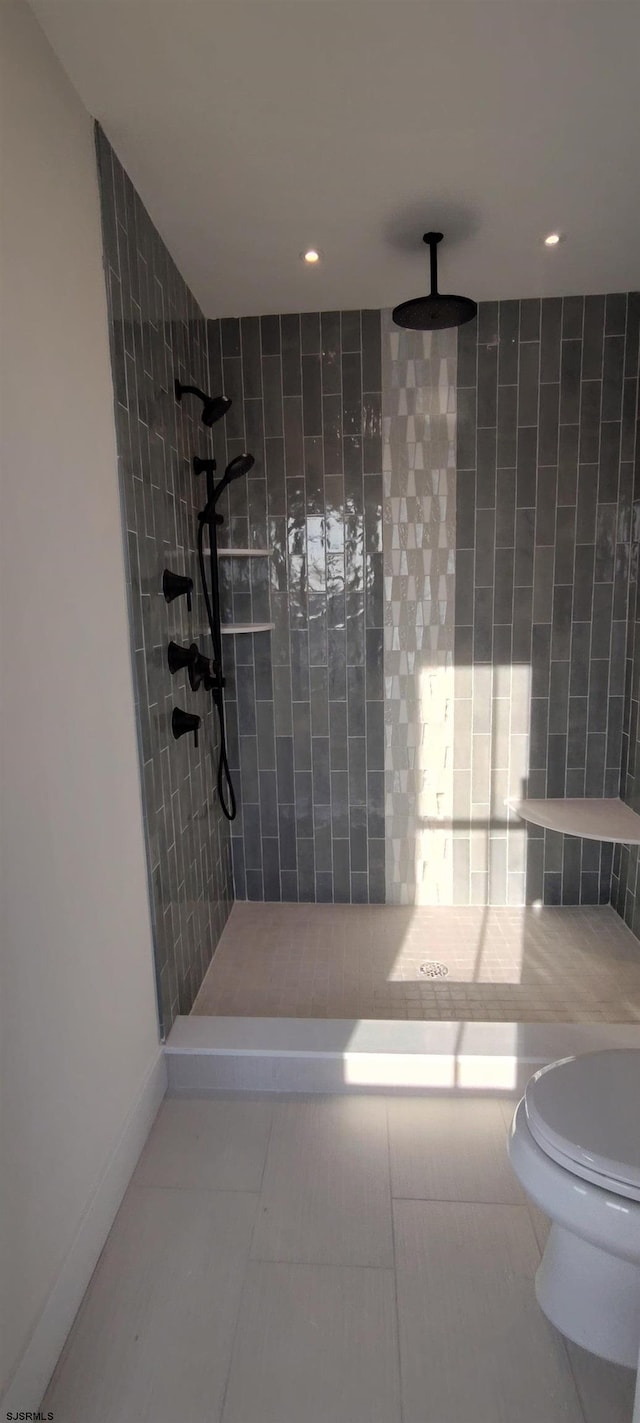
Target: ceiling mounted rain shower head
213, 406
437, 311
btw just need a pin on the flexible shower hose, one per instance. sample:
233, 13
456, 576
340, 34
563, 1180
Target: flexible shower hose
226, 792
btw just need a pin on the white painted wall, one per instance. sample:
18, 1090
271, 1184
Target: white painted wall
81, 1067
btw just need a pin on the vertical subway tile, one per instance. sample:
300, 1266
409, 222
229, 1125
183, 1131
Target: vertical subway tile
310, 332
311, 395
331, 353
310, 696
306, 871
509, 328
591, 395
303, 783
615, 313
530, 320
371, 351
341, 871
487, 384
467, 355
351, 333
270, 335
194, 863
291, 355
550, 333
593, 337
548, 425
251, 367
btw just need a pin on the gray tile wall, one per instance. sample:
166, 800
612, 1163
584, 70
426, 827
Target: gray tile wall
625, 890
305, 702
546, 418
157, 333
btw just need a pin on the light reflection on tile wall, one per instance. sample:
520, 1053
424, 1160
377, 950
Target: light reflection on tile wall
305, 702
546, 430
419, 465
157, 333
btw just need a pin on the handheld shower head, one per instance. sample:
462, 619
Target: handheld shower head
238, 466
213, 676
235, 469
213, 406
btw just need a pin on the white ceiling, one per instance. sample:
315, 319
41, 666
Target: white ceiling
258, 128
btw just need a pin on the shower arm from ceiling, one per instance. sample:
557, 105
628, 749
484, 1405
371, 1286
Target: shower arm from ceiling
438, 311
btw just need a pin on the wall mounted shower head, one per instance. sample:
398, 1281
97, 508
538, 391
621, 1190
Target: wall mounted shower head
214, 409
213, 406
437, 311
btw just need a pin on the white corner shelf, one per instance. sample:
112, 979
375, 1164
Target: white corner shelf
230, 629
590, 818
244, 553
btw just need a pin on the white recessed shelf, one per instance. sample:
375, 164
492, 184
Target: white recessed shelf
244, 552
230, 629
590, 818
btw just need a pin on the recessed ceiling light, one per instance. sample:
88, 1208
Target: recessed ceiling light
311, 256
552, 240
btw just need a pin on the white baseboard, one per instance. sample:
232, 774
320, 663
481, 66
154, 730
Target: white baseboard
41, 1355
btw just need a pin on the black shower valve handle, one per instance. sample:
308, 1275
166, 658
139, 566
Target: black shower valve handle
199, 670
180, 657
176, 585
198, 666
213, 680
185, 724
190, 658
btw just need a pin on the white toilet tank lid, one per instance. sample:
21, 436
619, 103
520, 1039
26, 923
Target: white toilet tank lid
587, 1110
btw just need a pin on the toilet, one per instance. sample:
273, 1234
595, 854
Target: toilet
575, 1147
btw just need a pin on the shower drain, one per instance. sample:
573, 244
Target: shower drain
433, 969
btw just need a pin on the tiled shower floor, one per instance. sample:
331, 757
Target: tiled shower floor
363, 961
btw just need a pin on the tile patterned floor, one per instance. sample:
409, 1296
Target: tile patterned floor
363, 961
334, 1260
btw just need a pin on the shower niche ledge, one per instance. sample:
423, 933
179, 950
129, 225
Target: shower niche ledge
244, 553
231, 629
589, 817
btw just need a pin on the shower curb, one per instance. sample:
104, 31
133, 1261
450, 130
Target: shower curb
336, 1055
